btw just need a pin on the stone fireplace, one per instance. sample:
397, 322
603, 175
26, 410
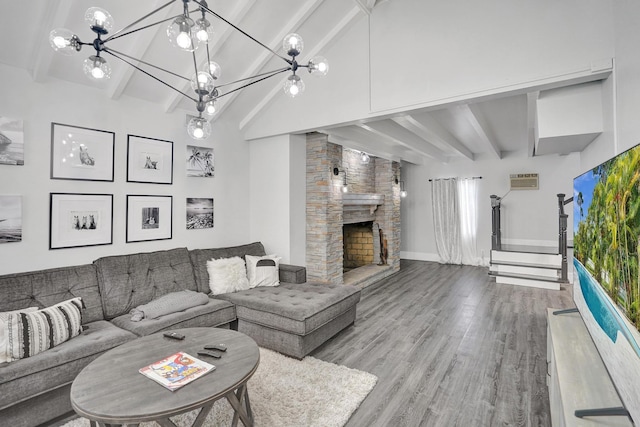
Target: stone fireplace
372, 202
358, 245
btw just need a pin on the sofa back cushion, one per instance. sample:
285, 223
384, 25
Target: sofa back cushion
45, 288
199, 258
127, 281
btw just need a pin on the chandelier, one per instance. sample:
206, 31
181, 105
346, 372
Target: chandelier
188, 35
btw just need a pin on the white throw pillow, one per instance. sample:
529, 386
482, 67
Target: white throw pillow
263, 270
34, 332
4, 357
227, 275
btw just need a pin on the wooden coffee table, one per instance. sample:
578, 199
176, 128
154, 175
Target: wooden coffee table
111, 391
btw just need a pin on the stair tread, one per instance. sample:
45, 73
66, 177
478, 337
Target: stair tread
531, 277
546, 250
526, 264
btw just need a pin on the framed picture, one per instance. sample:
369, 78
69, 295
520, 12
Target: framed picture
11, 141
149, 160
149, 218
77, 220
10, 219
81, 153
199, 213
200, 161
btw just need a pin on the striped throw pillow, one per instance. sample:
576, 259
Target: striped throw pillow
31, 333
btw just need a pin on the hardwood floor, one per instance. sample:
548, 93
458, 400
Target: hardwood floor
450, 347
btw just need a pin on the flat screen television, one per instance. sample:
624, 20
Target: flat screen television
606, 235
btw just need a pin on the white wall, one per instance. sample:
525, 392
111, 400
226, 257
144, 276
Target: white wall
56, 101
425, 53
277, 193
528, 217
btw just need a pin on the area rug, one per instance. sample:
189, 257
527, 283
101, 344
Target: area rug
286, 392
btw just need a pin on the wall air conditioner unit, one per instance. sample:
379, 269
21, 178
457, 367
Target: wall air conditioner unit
523, 181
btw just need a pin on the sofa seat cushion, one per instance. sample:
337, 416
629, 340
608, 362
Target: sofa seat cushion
296, 308
213, 313
58, 366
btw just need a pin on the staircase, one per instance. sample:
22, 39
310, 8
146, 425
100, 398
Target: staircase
539, 267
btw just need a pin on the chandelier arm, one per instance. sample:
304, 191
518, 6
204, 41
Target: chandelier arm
110, 52
254, 82
270, 73
205, 7
113, 51
139, 20
113, 37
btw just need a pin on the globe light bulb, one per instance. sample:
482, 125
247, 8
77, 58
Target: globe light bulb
215, 70
198, 128
292, 44
99, 20
293, 86
203, 30
180, 34
318, 66
64, 41
403, 193
96, 68
345, 189
202, 83
210, 108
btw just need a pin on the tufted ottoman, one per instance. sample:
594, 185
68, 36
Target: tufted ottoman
294, 319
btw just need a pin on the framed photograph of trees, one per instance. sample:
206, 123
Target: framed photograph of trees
200, 161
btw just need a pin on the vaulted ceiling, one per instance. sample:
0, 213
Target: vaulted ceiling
491, 127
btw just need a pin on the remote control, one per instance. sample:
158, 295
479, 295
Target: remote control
208, 353
174, 335
219, 347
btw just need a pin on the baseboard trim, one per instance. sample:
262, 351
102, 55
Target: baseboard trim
419, 256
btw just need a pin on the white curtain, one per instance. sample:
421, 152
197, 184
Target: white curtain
446, 222
468, 204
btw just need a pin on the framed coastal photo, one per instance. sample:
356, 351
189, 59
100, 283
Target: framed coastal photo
199, 213
200, 161
10, 219
149, 218
80, 153
11, 141
78, 220
149, 160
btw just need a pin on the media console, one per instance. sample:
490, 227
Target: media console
576, 376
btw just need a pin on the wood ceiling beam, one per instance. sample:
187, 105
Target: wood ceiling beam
472, 115
276, 90
429, 129
399, 135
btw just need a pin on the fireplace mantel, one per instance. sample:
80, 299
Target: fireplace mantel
360, 201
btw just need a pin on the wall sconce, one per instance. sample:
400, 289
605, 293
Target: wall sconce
364, 158
336, 172
403, 192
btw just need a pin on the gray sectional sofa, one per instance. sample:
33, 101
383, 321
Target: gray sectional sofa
293, 318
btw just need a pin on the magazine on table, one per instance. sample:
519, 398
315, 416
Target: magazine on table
177, 370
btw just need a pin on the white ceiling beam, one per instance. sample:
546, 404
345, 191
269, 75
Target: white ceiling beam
332, 35
240, 10
471, 114
394, 132
256, 66
532, 122
356, 138
429, 129
139, 43
55, 16
366, 5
